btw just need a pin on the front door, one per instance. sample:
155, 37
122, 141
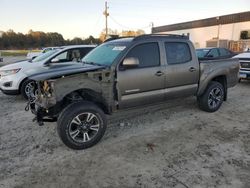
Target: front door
145, 83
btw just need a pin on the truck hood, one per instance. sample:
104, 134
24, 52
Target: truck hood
51, 67
65, 71
243, 55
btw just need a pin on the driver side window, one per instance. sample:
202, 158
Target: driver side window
148, 54
69, 55
62, 57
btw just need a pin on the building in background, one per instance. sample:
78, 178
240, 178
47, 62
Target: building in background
233, 31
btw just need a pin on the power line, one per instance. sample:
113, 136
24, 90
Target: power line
97, 21
119, 23
106, 14
126, 27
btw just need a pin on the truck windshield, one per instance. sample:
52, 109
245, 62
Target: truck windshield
44, 56
105, 54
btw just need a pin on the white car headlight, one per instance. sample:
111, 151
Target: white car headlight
8, 72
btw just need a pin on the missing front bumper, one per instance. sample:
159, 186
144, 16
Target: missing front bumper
42, 115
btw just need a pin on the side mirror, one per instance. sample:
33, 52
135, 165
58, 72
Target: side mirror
55, 60
130, 62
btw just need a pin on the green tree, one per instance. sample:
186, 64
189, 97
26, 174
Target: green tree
39, 39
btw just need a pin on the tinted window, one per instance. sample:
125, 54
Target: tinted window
213, 53
224, 52
177, 52
84, 51
147, 54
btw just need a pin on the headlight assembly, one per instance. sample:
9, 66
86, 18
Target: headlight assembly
9, 72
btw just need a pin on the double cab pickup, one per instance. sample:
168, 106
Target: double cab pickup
125, 73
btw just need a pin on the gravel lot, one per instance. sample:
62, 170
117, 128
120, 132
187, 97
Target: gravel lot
168, 145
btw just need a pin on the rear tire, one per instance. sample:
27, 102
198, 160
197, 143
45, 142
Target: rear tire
212, 98
81, 125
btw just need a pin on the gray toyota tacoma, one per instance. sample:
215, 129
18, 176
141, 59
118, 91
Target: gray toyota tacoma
125, 73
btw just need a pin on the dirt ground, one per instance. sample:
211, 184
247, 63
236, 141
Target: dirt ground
168, 145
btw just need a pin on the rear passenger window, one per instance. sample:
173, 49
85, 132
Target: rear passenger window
177, 52
148, 54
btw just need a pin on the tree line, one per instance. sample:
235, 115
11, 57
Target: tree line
11, 40
38, 39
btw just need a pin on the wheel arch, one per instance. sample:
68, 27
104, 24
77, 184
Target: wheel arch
222, 79
91, 96
21, 83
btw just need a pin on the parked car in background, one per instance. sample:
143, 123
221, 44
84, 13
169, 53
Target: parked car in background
244, 59
214, 53
247, 49
14, 78
32, 55
127, 73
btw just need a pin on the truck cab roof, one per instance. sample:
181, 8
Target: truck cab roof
146, 37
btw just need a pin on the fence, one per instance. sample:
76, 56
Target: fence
239, 46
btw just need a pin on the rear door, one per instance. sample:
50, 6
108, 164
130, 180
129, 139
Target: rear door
182, 69
145, 83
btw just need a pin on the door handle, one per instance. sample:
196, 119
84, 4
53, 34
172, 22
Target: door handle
159, 73
192, 69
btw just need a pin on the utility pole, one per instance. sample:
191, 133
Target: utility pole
152, 26
106, 14
218, 32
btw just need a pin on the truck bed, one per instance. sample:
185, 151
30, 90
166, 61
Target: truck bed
221, 67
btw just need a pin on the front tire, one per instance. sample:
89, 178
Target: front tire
28, 88
212, 98
81, 125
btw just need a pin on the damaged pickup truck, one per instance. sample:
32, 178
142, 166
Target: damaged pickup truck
125, 73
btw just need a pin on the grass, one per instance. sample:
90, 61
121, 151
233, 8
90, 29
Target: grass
16, 52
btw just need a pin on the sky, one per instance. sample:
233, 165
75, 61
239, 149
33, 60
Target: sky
82, 18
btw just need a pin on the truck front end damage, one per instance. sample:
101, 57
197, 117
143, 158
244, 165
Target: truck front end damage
44, 105
55, 94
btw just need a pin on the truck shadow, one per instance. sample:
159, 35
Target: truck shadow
167, 108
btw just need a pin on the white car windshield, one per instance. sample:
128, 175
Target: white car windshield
44, 56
